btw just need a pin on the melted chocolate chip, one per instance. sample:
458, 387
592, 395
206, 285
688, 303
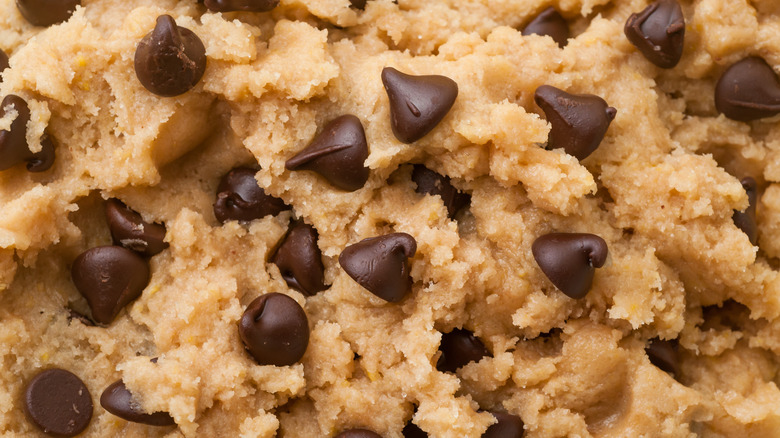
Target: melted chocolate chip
358, 433
241, 5
170, 60
3, 63
117, 400
579, 121
380, 264
275, 330
569, 260
663, 354
13, 142
431, 183
240, 198
43, 160
72, 314
411, 430
748, 90
549, 22
58, 402
46, 12
417, 103
746, 220
337, 153
458, 348
658, 32
300, 260
128, 229
507, 426
109, 277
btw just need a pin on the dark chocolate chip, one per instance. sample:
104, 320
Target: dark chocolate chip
46, 12
72, 314
44, 159
411, 430
358, 433
241, 5
417, 103
275, 330
117, 400
128, 229
240, 198
380, 264
508, 426
431, 183
337, 153
664, 355
579, 121
109, 277
13, 142
746, 220
569, 260
458, 348
549, 22
299, 259
3, 63
658, 32
58, 402
170, 60
358, 4
748, 90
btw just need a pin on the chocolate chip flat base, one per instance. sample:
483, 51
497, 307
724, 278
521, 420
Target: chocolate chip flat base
447, 257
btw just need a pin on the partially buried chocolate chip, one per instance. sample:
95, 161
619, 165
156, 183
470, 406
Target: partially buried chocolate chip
109, 277
569, 260
549, 22
579, 121
458, 348
748, 90
358, 4
417, 103
72, 314
380, 264
411, 430
170, 60
240, 198
658, 32
58, 402
664, 355
358, 433
275, 330
241, 5
507, 426
128, 229
431, 183
46, 12
299, 259
3, 63
13, 141
117, 400
44, 159
337, 153
746, 220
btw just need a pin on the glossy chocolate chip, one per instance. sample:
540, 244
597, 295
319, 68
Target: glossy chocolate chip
358, 433
748, 90
58, 402
109, 277
458, 348
72, 314
13, 142
337, 153
507, 426
3, 63
579, 121
664, 355
299, 259
117, 400
380, 264
275, 330
431, 183
658, 32
170, 60
240, 198
570, 259
549, 22
46, 12
746, 220
417, 103
44, 159
411, 430
241, 5
128, 229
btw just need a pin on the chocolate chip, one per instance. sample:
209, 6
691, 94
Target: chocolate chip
507, 426
300, 260
748, 90
431, 183
358, 4
746, 220
43, 160
569, 260
658, 32
241, 5
417, 103
549, 22
170, 60
337, 153
13, 142
58, 402
46, 12
3, 63
240, 198
128, 229
275, 330
579, 121
380, 265
411, 430
109, 277
458, 348
726, 315
72, 314
663, 354
117, 400
358, 433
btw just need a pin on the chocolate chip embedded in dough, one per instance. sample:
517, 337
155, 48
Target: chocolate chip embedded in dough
3, 63
109, 277
358, 4
748, 90
746, 220
13, 141
431, 183
569, 260
549, 22
128, 229
46, 12
170, 60
337, 153
72, 314
358, 433
417, 103
579, 121
458, 348
241, 5
275, 330
299, 259
411, 430
664, 355
44, 159
117, 400
380, 264
58, 402
658, 32
507, 426
240, 198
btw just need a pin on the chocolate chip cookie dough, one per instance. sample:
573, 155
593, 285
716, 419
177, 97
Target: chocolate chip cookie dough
400, 219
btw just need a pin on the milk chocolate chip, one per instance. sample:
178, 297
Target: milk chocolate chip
431, 183
458, 348
507, 426
58, 402
746, 220
117, 400
299, 259
549, 22
658, 32
128, 229
569, 260
240, 198
748, 90
46, 12
241, 5
275, 330
380, 264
